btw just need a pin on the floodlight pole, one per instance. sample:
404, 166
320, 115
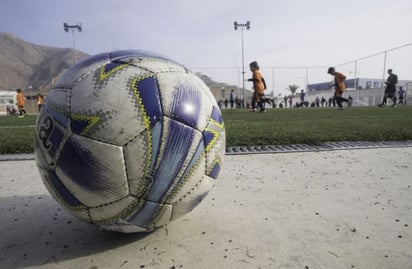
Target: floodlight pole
356, 80
242, 26
72, 28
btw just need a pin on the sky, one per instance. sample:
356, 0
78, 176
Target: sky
284, 35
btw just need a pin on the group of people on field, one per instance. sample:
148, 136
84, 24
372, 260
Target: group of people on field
259, 86
390, 88
21, 102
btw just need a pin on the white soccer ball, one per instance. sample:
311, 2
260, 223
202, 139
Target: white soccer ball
129, 140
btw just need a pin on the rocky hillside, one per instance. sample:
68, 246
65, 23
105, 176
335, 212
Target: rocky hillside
23, 64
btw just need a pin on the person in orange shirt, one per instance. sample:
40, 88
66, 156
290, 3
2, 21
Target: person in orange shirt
40, 101
259, 86
20, 103
340, 86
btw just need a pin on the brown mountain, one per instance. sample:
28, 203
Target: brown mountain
23, 64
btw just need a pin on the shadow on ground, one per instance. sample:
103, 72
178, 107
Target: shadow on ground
35, 231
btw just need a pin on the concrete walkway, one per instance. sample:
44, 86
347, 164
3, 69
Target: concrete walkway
332, 209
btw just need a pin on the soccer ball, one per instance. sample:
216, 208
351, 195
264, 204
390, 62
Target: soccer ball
129, 140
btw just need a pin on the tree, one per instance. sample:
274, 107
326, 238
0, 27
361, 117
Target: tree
293, 88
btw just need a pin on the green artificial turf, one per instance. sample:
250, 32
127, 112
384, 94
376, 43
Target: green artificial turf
274, 127
317, 125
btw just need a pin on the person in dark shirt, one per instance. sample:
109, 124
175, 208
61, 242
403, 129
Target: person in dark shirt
401, 94
232, 99
390, 89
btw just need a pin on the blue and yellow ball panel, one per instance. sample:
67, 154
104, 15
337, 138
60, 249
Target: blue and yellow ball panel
177, 144
62, 191
177, 160
50, 134
61, 194
215, 170
94, 170
183, 98
109, 110
149, 107
216, 116
214, 137
138, 157
193, 172
70, 78
186, 104
81, 124
147, 94
178, 141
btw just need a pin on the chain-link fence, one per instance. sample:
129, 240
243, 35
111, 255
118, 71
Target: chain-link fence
365, 73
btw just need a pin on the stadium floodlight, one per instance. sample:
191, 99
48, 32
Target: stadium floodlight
77, 26
242, 26
73, 28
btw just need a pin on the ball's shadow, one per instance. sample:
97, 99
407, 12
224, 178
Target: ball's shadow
36, 230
